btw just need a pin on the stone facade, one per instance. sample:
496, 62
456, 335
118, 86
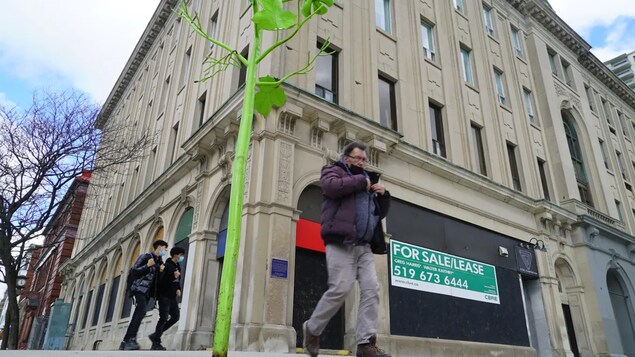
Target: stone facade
529, 155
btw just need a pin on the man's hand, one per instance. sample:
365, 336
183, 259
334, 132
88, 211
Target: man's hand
378, 188
161, 267
150, 262
178, 293
177, 274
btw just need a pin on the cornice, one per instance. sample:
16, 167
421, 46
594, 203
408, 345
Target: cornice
158, 20
549, 20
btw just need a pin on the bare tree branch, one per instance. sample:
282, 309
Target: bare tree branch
43, 149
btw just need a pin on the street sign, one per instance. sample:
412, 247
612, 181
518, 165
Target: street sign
423, 269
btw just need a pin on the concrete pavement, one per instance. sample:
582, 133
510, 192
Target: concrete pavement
147, 353
136, 354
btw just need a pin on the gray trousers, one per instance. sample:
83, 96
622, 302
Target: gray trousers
346, 264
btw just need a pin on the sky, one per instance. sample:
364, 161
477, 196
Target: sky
81, 44
84, 44
609, 27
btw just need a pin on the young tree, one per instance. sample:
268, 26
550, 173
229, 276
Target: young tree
42, 150
268, 15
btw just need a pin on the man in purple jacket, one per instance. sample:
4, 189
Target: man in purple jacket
352, 209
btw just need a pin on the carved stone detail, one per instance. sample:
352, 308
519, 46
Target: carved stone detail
248, 173
285, 165
197, 205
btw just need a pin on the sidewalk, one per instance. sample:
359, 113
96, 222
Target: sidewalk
29, 353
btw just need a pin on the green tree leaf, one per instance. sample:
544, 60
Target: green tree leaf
268, 96
315, 4
272, 17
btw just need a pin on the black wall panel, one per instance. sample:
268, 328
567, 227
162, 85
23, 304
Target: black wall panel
422, 314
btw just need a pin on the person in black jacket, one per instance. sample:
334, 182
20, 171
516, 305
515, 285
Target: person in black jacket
145, 272
168, 290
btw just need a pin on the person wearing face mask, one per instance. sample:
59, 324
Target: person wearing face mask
168, 291
353, 205
145, 272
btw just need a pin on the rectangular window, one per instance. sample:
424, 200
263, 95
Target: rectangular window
185, 67
543, 179
589, 97
466, 61
607, 111
487, 19
552, 61
529, 106
618, 206
213, 26
566, 71
387, 105
513, 166
478, 150
427, 37
242, 74
603, 150
620, 118
500, 86
516, 41
200, 109
174, 137
436, 129
382, 15
458, 5
620, 162
326, 74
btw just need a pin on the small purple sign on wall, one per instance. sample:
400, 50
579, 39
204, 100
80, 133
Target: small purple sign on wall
279, 268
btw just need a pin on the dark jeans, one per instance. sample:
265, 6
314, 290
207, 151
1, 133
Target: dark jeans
141, 300
167, 306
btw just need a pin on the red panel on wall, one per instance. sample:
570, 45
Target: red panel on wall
307, 236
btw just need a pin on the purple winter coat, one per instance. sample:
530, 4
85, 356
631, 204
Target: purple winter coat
338, 207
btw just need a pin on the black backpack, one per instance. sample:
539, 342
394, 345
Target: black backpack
131, 278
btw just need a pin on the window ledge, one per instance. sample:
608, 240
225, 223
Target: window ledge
435, 63
505, 107
492, 37
521, 59
472, 87
387, 35
461, 13
535, 126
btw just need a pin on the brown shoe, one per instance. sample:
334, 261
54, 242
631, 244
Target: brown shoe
370, 349
311, 343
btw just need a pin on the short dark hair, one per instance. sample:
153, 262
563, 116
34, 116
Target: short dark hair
352, 146
176, 251
159, 243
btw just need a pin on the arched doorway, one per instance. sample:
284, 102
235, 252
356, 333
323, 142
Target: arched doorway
622, 310
311, 276
570, 309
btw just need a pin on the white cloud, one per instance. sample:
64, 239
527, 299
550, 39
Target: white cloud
81, 43
616, 16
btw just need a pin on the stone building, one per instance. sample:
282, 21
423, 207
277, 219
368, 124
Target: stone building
504, 141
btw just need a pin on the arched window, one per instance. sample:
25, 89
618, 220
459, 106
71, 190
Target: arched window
181, 238
100, 294
114, 289
577, 160
622, 310
89, 299
127, 303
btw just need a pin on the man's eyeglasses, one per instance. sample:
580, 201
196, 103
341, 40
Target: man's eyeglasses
358, 158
